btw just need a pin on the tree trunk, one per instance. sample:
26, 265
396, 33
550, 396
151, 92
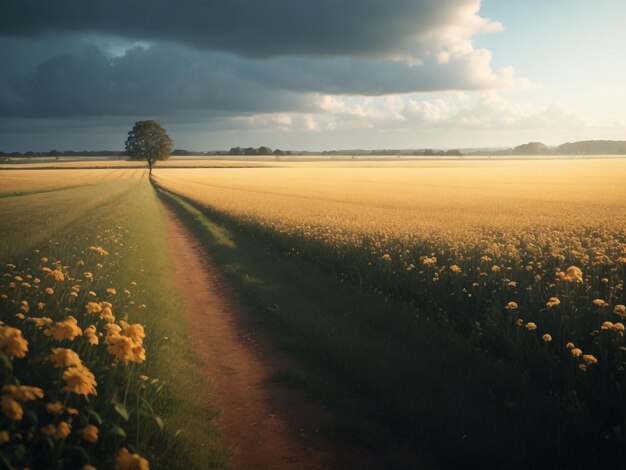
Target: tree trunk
150, 165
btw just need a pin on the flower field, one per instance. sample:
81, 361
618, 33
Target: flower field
524, 262
90, 339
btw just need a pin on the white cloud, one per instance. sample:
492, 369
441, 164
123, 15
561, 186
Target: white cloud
484, 111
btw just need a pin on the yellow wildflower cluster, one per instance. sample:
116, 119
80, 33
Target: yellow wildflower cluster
50, 332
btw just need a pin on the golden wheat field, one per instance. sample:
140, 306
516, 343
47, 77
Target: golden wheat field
411, 197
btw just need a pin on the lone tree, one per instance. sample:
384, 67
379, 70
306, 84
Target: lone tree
148, 141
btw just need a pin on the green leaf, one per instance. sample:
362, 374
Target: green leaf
121, 410
159, 422
96, 417
115, 430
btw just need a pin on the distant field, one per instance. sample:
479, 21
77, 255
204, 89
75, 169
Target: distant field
263, 161
408, 198
18, 182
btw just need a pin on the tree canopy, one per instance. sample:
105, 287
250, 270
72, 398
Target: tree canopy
148, 141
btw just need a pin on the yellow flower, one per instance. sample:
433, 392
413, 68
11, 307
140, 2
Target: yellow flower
4, 437
49, 291
607, 325
428, 260
11, 408
576, 352
134, 331
40, 322
573, 274
63, 430
127, 461
101, 251
90, 433
113, 330
23, 392
570, 345
88, 467
511, 306
582, 367
57, 275
66, 329
553, 302
88, 275
620, 310
600, 303
59, 432
80, 380
62, 357
547, 338
55, 408
111, 291
93, 307
12, 342
590, 359
125, 349
91, 335
455, 269
531, 326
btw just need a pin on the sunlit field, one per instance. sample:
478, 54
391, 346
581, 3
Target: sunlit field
523, 261
450, 306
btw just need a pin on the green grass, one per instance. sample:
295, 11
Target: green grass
390, 375
65, 223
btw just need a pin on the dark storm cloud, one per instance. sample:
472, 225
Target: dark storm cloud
171, 80
252, 28
164, 80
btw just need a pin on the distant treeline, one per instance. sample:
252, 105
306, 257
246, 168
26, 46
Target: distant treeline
65, 153
584, 147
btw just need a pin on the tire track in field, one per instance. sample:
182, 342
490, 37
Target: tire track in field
265, 424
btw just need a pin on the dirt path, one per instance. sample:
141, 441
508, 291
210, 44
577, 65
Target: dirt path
266, 424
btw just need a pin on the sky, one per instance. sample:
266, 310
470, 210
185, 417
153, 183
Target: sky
311, 74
